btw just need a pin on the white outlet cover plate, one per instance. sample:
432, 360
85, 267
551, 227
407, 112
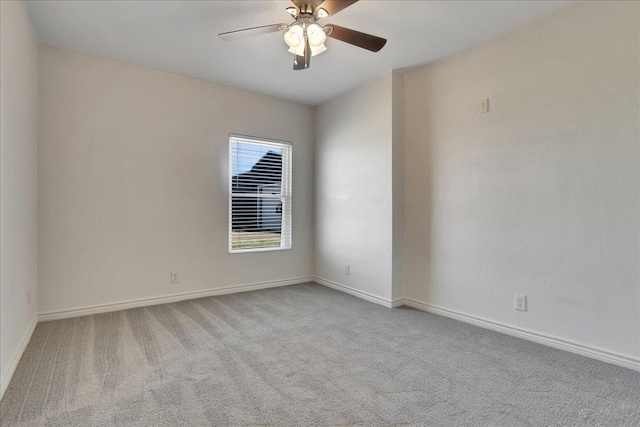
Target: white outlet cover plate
484, 105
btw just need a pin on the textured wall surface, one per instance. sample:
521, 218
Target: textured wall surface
18, 178
539, 196
353, 188
398, 188
133, 181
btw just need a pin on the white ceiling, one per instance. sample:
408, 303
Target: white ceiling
181, 37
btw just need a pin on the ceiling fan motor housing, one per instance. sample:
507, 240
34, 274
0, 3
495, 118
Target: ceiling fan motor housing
307, 6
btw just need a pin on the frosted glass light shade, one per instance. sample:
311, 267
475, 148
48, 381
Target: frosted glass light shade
294, 37
316, 35
298, 50
317, 50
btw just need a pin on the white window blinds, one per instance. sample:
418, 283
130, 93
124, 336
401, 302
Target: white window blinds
259, 194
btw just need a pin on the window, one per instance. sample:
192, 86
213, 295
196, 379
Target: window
259, 194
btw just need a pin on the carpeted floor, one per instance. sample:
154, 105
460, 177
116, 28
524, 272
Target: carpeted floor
303, 355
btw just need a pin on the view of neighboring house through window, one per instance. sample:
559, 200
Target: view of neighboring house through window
259, 194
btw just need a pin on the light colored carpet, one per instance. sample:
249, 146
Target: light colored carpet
303, 355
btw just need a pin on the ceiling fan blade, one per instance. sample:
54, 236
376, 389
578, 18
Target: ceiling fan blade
303, 62
335, 6
356, 38
250, 32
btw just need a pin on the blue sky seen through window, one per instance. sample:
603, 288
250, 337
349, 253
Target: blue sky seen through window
245, 155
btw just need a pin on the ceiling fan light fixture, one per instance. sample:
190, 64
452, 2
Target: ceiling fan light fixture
292, 10
316, 35
317, 50
321, 13
294, 36
299, 51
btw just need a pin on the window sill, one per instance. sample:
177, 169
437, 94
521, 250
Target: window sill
244, 251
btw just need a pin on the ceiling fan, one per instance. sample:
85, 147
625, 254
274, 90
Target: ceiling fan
305, 36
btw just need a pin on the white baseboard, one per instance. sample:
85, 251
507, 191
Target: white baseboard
548, 340
360, 294
10, 369
397, 303
143, 302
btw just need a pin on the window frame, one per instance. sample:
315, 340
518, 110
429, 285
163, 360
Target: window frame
286, 227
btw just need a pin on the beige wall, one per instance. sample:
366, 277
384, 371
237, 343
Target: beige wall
133, 166
539, 196
398, 184
18, 139
354, 201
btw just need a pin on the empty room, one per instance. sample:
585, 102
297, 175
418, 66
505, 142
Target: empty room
319, 213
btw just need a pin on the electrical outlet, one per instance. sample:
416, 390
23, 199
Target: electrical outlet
174, 278
347, 269
520, 302
484, 105
29, 299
